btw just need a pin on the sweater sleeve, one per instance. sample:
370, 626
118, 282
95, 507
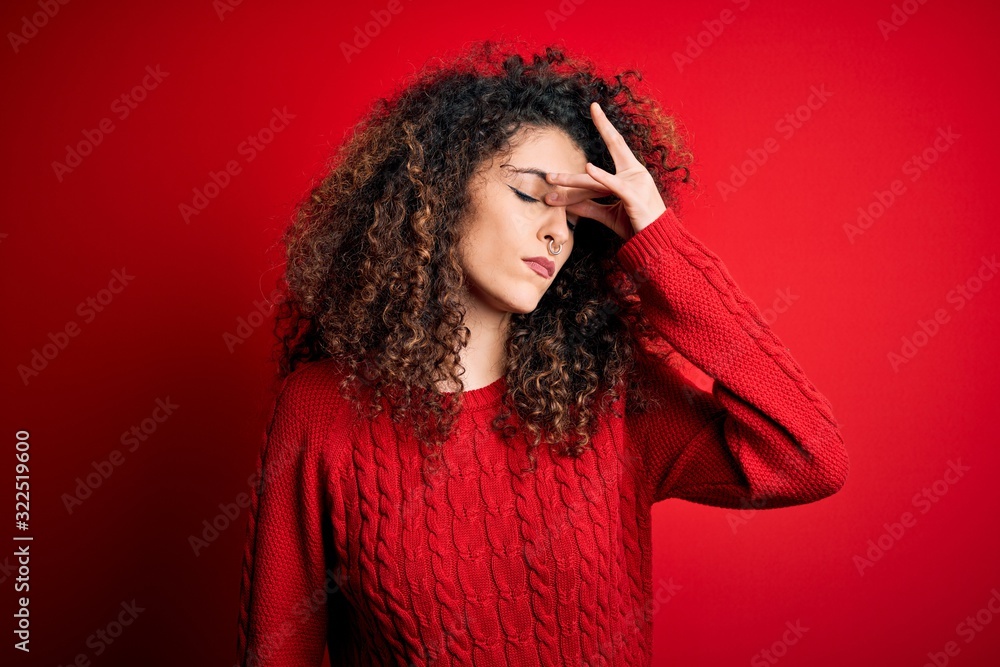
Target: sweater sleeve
283, 615
760, 434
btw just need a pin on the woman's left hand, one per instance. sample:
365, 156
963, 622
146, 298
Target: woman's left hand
640, 200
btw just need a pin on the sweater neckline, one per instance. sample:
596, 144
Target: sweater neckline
483, 396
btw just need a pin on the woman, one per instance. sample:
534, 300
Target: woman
492, 334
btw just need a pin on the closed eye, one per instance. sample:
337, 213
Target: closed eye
526, 198
523, 196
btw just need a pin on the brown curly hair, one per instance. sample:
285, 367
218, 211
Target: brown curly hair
373, 278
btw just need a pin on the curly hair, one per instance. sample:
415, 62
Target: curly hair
373, 277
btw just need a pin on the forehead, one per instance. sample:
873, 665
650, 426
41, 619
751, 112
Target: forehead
538, 150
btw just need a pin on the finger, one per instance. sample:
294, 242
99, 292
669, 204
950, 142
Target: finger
591, 209
610, 181
606, 214
575, 180
621, 154
568, 196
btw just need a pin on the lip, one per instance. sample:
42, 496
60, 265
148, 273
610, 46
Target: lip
543, 266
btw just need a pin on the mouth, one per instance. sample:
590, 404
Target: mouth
541, 265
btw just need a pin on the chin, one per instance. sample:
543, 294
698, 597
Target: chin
524, 299
522, 304
521, 307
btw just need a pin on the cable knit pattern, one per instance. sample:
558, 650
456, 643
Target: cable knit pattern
352, 545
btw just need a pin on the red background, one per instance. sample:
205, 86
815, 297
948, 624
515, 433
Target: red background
741, 577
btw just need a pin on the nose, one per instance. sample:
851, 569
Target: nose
556, 227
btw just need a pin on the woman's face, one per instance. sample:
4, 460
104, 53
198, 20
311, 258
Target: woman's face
510, 222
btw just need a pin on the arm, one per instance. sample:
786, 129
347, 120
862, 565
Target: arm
284, 562
762, 434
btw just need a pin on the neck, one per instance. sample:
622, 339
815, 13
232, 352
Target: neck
484, 358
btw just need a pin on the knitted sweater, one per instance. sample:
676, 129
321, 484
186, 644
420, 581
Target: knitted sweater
349, 546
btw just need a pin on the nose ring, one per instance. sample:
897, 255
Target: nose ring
554, 252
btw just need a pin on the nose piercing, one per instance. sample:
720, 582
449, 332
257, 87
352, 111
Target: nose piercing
554, 252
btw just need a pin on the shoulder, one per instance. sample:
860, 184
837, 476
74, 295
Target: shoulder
312, 392
311, 421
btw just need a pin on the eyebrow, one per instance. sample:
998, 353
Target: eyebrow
529, 170
537, 172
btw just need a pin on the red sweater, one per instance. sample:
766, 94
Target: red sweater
346, 547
